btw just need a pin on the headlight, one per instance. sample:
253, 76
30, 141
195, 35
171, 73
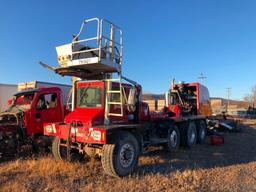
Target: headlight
96, 135
50, 128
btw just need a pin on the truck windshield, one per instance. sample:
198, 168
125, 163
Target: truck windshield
24, 101
89, 97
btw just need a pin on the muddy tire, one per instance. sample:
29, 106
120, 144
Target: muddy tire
173, 139
201, 131
121, 159
190, 135
59, 152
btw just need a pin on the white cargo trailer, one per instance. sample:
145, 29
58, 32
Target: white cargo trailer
6, 92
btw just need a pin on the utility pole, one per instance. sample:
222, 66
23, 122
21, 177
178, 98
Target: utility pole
202, 77
228, 95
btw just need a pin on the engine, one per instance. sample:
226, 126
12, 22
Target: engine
11, 132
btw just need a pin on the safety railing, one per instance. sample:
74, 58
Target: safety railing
107, 45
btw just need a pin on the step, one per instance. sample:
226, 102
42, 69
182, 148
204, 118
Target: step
113, 80
115, 103
115, 114
114, 91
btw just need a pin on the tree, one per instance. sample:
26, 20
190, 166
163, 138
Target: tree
251, 97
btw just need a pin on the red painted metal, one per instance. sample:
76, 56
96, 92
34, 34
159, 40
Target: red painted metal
217, 140
33, 124
88, 119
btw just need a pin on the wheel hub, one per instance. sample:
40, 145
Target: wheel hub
127, 154
202, 133
193, 136
173, 138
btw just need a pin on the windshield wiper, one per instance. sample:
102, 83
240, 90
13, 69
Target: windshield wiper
83, 94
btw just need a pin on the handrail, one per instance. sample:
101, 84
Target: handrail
105, 41
104, 37
85, 40
82, 27
107, 21
111, 24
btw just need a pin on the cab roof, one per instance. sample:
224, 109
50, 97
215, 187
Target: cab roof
37, 90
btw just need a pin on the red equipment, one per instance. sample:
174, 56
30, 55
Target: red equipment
109, 119
191, 98
22, 124
217, 139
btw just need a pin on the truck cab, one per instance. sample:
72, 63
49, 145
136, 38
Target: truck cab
91, 110
90, 100
29, 110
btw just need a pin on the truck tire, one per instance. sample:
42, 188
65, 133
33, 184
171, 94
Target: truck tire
173, 138
120, 159
190, 135
59, 153
201, 131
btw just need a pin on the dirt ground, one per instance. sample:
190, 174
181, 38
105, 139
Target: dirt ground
231, 167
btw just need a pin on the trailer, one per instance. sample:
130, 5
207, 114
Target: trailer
109, 119
6, 91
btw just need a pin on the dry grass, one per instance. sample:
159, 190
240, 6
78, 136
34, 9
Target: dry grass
231, 167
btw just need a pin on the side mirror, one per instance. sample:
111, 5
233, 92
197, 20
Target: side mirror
132, 96
131, 102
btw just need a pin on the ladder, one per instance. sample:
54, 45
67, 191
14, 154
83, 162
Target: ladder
110, 100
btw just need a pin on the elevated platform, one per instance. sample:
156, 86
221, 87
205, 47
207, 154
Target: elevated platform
98, 55
88, 71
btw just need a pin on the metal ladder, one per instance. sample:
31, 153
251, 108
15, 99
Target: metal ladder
109, 102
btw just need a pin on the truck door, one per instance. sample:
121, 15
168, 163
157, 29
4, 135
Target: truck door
48, 110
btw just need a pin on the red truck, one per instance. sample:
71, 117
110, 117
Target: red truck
109, 119
21, 126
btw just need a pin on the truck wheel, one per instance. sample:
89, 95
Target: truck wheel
59, 152
201, 132
173, 139
191, 135
120, 159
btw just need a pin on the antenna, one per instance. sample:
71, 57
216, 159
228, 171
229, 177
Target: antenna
202, 77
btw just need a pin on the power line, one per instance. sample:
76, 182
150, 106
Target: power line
228, 94
202, 77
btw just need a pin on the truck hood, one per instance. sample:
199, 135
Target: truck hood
14, 109
88, 116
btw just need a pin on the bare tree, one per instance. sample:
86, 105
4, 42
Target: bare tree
251, 97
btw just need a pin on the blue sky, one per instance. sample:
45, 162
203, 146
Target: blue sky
162, 40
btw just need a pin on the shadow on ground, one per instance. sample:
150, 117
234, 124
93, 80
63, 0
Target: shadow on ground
239, 148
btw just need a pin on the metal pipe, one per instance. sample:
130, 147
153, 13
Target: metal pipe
85, 40
130, 81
